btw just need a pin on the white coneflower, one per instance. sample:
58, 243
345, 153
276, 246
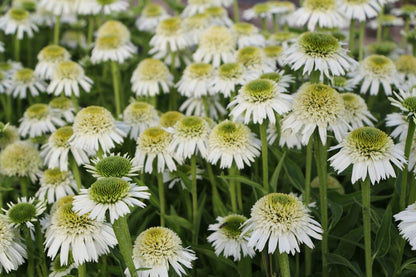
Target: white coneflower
196, 80
55, 152
370, 151
376, 70
318, 14
406, 71
316, 51
8, 134
254, 60
218, 16
55, 184
406, 102
112, 6
5, 83
63, 107
153, 144
216, 46
170, 118
12, 249
408, 224
359, 10
48, 58
258, 100
20, 159
227, 238
158, 248
356, 113
341, 84
274, 54
287, 137
232, 142
283, 221
9, 68
170, 36
190, 136
24, 212
228, 76
17, 22
260, 10
112, 165
150, 17
282, 80
283, 38
59, 7
198, 106
386, 20
112, 47
247, 35
316, 106
74, 39
25, 80
196, 25
197, 6
400, 124
37, 120
43, 17
150, 78
84, 238
139, 116
94, 128
111, 194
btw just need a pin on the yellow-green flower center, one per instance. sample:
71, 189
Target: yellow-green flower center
68, 70
243, 28
282, 36
231, 227
378, 65
152, 10
54, 53
70, 220
109, 42
273, 76
261, 8
408, 8
37, 111
199, 70
191, 126
259, 90
410, 104
61, 102
230, 70
382, 48
22, 212
155, 140
319, 5
109, 190
339, 81
169, 26
55, 176
4, 66
369, 140
169, 119
105, 2
406, 64
113, 166
24, 75
93, 120
318, 44
273, 51
18, 14
62, 135
250, 56
152, 69
215, 11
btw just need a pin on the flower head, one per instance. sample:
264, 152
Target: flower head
48, 58
139, 116
247, 35
158, 248
360, 10
406, 102
283, 221
408, 224
169, 119
63, 107
370, 150
406, 69
196, 80
8, 134
18, 21
25, 212
25, 80
12, 249
254, 59
113, 165
151, 16
356, 112
55, 184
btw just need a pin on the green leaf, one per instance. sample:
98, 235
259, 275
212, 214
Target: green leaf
276, 173
337, 259
336, 210
209, 253
178, 220
292, 170
407, 264
246, 181
383, 240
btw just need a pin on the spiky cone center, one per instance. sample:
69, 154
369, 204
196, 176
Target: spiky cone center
199, 70
24, 75
218, 38
357, 2
156, 245
109, 190
154, 140
258, 91
109, 42
37, 111
229, 71
169, 26
282, 36
93, 120
231, 135
152, 10
339, 81
353, 102
382, 48
406, 64
22, 212
261, 8
61, 103
244, 28
273, 76
318, 103
408, 9
106, 2
317, 44
191, 127
61, 136
215, 11
53, 53
68, 70
170, 118
378, 65
114, 27
409, 103
231, 226
273, 51
139, 112
249, 56
71, 221
113, 166
369, 142
197, 21
18, 14
55, 176
152, 69
319, 5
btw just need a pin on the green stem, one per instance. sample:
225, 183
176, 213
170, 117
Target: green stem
121, 230
75, 172
16, 49
380, 27
307, 195
116, 87
406, 30
321, 164
365, 190
264, 23
30, 252
161, 187
90, 31
56, 30
173, 92
233, 191
236, 11
194, 200
386, 31
414, 49
82, 270
405, 171
239, 195
39, 241
275, 23
284, 264
361, 41
315, 77
24, 184
75, 102
263, 137
264, 260
352, 37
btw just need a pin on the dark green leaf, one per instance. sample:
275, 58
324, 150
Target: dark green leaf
382, 242
337, 259
276, 173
